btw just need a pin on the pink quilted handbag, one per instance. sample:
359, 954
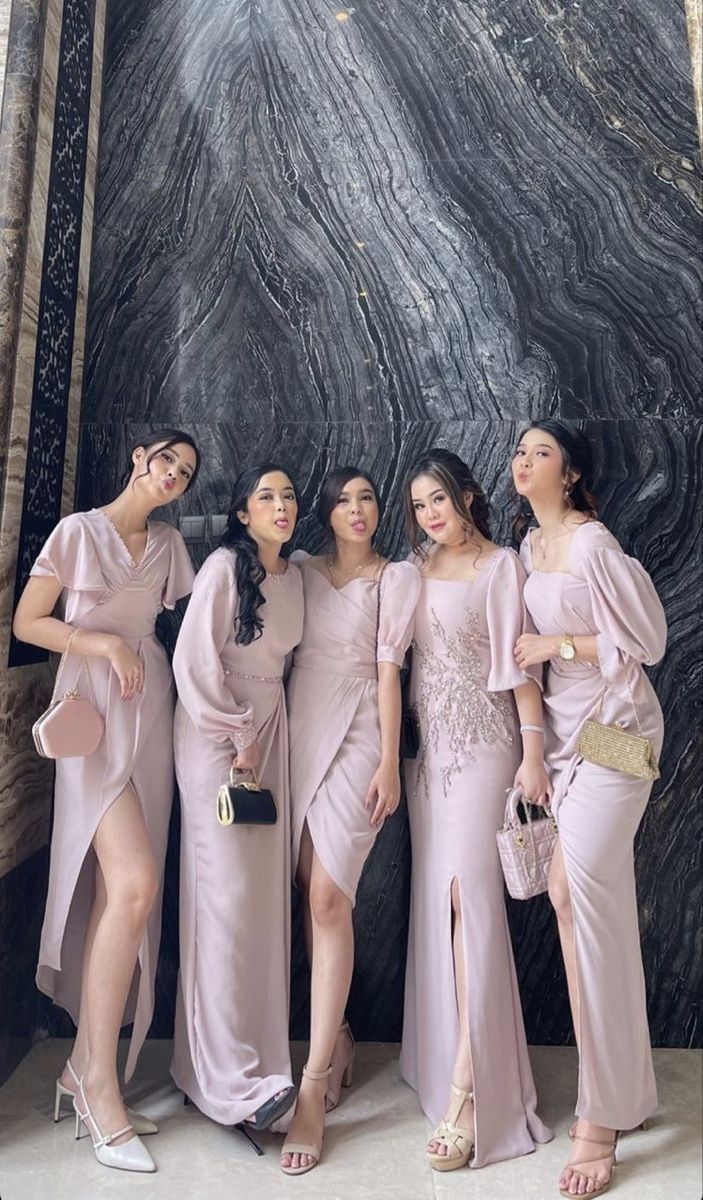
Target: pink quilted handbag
525, 850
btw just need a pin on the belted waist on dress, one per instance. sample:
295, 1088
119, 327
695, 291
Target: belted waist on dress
255, 678
335, 666
573, 670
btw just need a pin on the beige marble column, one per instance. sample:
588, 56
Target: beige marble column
25, 779
694, 16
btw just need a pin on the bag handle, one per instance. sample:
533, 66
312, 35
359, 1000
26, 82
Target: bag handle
378, 602
254, 786
516, 796
60, 670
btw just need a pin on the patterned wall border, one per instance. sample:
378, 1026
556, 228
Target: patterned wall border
41, 506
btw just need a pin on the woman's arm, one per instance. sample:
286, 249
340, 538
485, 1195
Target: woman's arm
34, 623
531, 774
384, 789
534, 648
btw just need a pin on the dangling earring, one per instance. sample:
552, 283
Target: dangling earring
568, 489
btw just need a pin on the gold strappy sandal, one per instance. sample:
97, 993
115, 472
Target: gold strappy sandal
458, 1140
601, 1188
313, 1151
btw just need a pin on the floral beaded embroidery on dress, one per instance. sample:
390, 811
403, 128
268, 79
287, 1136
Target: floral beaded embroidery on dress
461, 716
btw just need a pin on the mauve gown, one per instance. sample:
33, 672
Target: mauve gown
607, 594
335, 736
105, 591
462, 678
231, 1050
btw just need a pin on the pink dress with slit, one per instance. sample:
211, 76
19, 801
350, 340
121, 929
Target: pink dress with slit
106, 591
231, 1051
598, 810
463, 673
335, 743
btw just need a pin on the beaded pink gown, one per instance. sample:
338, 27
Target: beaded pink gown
598, 810
106, 591
463, 673
333, 709
231, 1050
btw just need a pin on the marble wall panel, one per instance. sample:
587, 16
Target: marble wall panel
431, 209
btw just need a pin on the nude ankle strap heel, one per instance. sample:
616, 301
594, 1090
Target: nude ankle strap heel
312, 1150
610, 1152
342, 1071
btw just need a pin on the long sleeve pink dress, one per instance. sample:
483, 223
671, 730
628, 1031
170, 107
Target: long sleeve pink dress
463, 674
607, 594
333, 709
231, 1050
106, 591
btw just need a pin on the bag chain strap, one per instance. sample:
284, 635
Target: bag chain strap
61, 666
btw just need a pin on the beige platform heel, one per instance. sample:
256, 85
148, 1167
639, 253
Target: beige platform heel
458, 1140
313, 1151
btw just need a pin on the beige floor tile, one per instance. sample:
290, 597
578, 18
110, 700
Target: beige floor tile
374, 1147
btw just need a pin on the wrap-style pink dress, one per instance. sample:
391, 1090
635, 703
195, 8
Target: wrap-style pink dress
231, 1050
335, 737
604, 593
106, 591
463, 673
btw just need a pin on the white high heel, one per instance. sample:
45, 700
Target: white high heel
140, 1124
130, 1156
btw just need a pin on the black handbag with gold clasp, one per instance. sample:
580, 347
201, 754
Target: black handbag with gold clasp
244, 802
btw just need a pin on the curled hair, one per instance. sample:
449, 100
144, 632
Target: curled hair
331, 489
250, 572
453, 474
577, 456
161, 439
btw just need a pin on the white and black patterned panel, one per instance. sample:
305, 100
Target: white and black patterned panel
41, 506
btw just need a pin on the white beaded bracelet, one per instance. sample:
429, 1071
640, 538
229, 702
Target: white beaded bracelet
531, 729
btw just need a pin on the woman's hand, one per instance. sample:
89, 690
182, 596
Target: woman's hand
534, 648
128, 667
532, 777
247, 759
384, 793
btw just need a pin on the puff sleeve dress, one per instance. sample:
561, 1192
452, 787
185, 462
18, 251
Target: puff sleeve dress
606, 594
105, 590
231, 1051
461, 685
333, 709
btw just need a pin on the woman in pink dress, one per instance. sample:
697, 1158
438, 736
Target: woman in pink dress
231, 1052
599, 619
113, 569
344, 706
480, 719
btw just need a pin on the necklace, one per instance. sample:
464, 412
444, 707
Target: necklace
544, 544
347, 575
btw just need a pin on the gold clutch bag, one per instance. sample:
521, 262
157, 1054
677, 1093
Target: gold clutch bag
612, 746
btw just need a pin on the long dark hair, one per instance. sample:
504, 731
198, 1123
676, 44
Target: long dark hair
249, 569
577, 456
162, 439
331, 488
453, 474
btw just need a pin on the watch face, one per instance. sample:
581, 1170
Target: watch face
566, 650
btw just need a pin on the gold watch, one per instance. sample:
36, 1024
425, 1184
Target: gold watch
567, 649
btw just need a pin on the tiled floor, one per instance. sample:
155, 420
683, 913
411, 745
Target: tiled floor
373, 1148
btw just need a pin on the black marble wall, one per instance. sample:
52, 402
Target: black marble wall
339, 234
